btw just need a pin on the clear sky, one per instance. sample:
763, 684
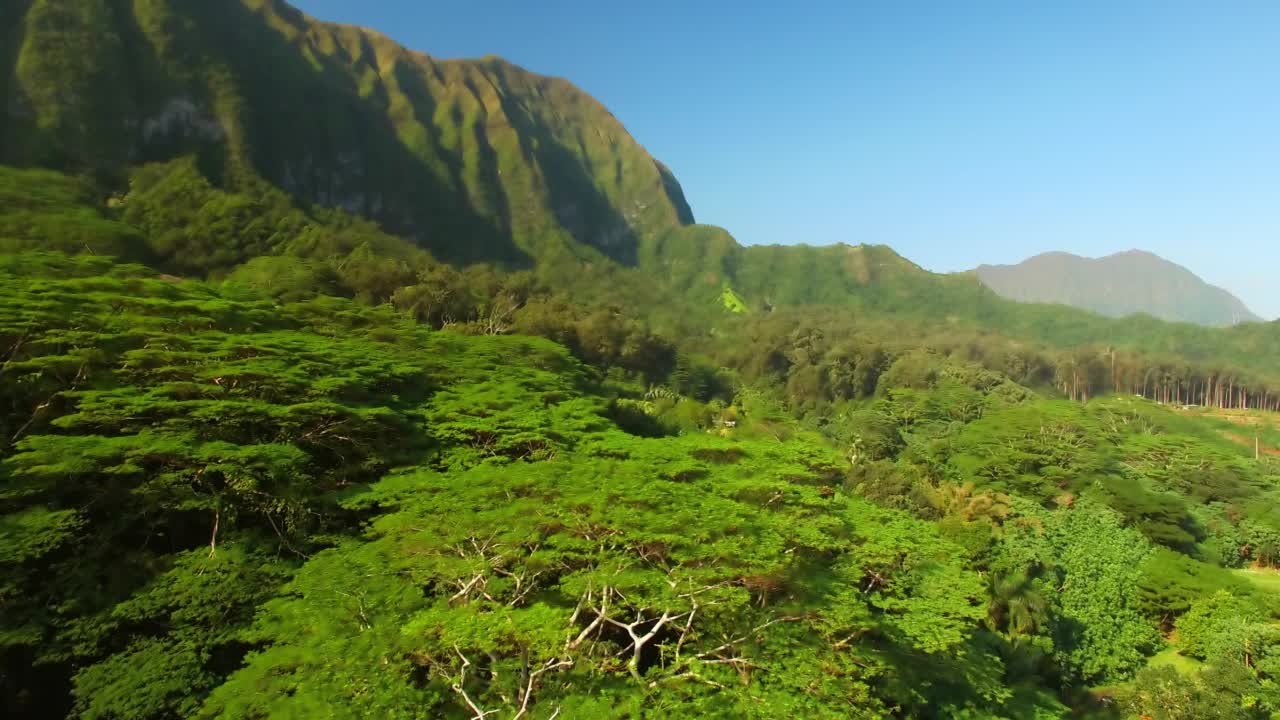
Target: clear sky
958, 133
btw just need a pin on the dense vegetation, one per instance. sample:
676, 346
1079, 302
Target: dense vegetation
471, 421
376, 519
218, 505
253, 497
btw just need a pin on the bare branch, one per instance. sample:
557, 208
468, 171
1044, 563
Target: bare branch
690, 675
685, 632
552, 664
754, 630
213, 539
638, 641
466, 588
461, 691
847, 641
601, 616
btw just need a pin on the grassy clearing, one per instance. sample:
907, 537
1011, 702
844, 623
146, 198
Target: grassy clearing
1242, 427
1265, 578
1172, 658
732, 301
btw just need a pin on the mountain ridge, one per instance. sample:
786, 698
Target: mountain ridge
476, 160
266, 455
234, 110
1118, 285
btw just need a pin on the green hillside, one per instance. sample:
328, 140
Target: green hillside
339, 381
255, 110
220, 505
475, 160
870, 288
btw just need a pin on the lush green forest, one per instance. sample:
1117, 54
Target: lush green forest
293, 488
470, 420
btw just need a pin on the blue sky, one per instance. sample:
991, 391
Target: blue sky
958, 133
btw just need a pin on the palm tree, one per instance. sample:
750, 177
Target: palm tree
1017, 608
966, 503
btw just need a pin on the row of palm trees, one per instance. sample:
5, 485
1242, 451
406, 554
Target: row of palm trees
1085, 373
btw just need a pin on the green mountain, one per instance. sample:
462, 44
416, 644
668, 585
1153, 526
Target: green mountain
339, 381
475, 160
1118, 285
201, 119
242, 138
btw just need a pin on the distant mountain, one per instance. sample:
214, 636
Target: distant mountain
1118, 285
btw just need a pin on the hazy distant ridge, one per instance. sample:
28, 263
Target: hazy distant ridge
1118, 285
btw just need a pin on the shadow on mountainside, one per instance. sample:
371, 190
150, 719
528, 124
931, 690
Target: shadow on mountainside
12, 32
310, 131
675, 194
578, 205
253, 89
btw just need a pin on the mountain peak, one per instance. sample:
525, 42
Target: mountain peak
1125, 283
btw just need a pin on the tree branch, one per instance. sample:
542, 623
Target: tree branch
754, 630
685, 632
466, 588
213, 539
600, 617
458, 688
552, 664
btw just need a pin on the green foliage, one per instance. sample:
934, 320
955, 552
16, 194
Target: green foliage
42, 210
287, 279
1018, 606
606, 463
195, 228
1165, 694
1239, 645
147, 418
200, 601
617, 572
731, 301
1223, 627
1099, 634
1171, 582
219, 505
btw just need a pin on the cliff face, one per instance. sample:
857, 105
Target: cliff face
476, 160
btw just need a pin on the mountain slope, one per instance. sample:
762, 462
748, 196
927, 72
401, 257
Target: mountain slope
476, 160
250, 117
1118, 285
835, 492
